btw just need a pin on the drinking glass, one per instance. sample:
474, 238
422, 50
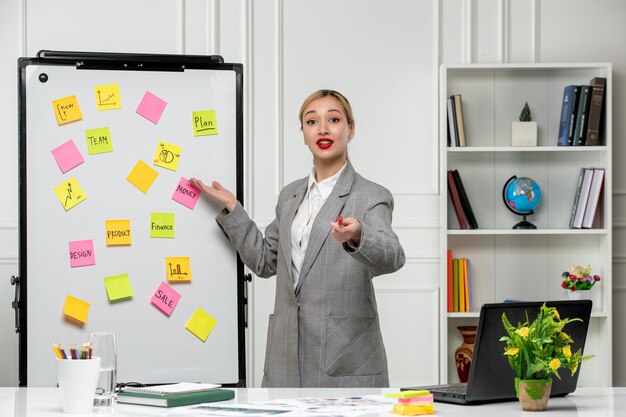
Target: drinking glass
103, 346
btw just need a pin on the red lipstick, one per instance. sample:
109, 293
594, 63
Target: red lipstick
324, 143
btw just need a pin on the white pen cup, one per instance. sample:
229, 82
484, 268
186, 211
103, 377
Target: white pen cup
77, 379
103, 346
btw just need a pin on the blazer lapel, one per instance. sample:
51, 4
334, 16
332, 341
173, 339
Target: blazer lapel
285, 224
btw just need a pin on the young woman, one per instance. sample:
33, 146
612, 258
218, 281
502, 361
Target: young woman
331, 235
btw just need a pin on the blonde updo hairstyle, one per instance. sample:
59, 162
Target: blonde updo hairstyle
324, 93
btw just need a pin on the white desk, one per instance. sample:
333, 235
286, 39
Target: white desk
605, 402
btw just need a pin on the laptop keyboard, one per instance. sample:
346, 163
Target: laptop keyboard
457, 389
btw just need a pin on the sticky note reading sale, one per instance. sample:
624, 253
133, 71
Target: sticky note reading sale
66, 110
186, 194
118, 232
70, 193
107, 97
142, 176
99, 140
200, 324
151, 107
178, 268
204, 123
81, 253
76, 308
67, 156
162, 225
118, 287
165, 298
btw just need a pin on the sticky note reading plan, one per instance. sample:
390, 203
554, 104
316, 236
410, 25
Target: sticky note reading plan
118, 287
165, 298
142, 176
162, 225
70, 193
76, 308
200, 324
81, 253
151, 107
66, 110
107, 97
186, 194
67, 156
178, 268
98, 140
204, 123
118, 232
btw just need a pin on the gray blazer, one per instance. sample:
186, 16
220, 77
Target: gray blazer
326, 333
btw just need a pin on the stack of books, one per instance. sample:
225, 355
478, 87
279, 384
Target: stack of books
587, 208
174, 395
581, 114
460, 201
456, 126
459, 284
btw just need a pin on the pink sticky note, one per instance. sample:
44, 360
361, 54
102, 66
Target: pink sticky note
186, 194
67, 156
151, 107
165, 298
81, 253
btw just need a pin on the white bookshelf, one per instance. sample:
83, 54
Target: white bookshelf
523, 264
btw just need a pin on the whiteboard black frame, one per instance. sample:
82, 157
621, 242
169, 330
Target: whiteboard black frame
124, 62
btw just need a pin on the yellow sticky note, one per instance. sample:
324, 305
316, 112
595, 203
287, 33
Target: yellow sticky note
107, 97
204, 123
118, 232
200, 324
76, 308
118, 287
98, 140
142, 176
407, 394
167, 155
70, 193
178, 268
66, 110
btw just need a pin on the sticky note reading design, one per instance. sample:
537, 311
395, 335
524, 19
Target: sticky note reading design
200, 324
81, 253
76, 308
118, 287
67, 156
167, 155
66, 110
151, 107
118, 232
162, 225
98, 140
204, 123
165, 298
178, 268
186, 194
70, 193
142, 176
107, 97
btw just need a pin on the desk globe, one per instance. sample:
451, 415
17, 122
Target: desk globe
521, 195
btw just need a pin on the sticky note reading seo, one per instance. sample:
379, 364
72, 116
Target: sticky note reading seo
107, 97
177, 268
76, 308
151, 107
67, 156
200, 324
186, 194
118, 232
165, 298
167, 155
162, 225
118, 287
204, 123
98, 140
142, 176
66, 110
81, 253
70, 193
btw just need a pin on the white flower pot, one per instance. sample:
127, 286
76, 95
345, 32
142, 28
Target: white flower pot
578, 295
524, 134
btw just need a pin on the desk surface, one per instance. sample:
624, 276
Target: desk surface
43, 402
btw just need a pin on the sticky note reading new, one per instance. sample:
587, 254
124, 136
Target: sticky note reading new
118, 232
76, 308
66, 110
67, 156
142, 176
98, 140
151, 107
118, 287
107, 97
70, 193
81, 253
186, 194
165, 298
200, 324
167, 155
162, 225
178, 268
204, 123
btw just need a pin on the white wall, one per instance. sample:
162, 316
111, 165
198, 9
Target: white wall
384, 56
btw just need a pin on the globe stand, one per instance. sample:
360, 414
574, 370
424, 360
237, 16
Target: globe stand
525, 224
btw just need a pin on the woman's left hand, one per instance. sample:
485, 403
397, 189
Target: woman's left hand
349, 229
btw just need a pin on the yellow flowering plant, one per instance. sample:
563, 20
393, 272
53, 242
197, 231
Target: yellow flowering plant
539, 349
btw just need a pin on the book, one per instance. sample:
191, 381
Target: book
179, 388
175, 400
579, 184
580, 130
596, 110
450, 283
458, 112
568, 111
594, 195
461, 286
466, 284
581, 205
470, 301
456, 201
452, 127
455, 283
465, 203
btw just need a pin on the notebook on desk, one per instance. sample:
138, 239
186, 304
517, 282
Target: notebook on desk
491, 377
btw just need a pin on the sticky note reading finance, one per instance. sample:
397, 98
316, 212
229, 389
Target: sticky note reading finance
118, 232
186, 194
151, 107
162, 225
67, 156
142, 176
107, 97
165, 298
167, 155
98, 140
76, 308
118, 287
200, 324
70, 193
81, 253
178, 268
204, 123
66, 110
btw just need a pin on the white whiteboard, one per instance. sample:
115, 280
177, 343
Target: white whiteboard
152, 347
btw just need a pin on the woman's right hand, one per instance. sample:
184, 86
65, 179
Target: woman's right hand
216, 193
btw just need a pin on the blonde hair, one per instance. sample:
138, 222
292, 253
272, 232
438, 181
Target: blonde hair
324, 93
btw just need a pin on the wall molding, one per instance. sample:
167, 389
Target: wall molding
280, 91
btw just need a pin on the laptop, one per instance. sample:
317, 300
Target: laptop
491, 377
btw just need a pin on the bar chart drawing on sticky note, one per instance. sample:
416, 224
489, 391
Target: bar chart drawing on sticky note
178, 268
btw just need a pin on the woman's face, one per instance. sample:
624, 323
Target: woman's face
326, 130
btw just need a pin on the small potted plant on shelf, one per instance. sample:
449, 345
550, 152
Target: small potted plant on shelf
536, 351
578, 280
524, 132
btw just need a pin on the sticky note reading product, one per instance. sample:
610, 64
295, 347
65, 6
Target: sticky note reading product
178, 268
167, 155
107, 97
165, 298
204, 123
67, 156
118, 232
200, 324
186, 194
81, 253
76, 308
162, 225
66, 110
142, 176
151, 107
118, 287
98, 140
70, 193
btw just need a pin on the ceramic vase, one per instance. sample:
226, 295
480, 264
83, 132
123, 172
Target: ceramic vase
463, 354
533, 394
578, 294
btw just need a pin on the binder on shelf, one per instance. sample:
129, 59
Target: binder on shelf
452, 126
594, 195
579, 184
568, 114
580, 131
456, 201
581, 205
461, 286
450, 280
465, 204
458, 113
596, 107
455, 283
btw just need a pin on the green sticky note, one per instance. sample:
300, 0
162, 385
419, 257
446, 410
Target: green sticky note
162, 225
118, 287
98, 140
407, 394
204, 123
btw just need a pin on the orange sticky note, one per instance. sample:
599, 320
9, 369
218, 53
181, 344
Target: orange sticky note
142, 176
200, 324
76, 308
66, 110
178, 268
118, 232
